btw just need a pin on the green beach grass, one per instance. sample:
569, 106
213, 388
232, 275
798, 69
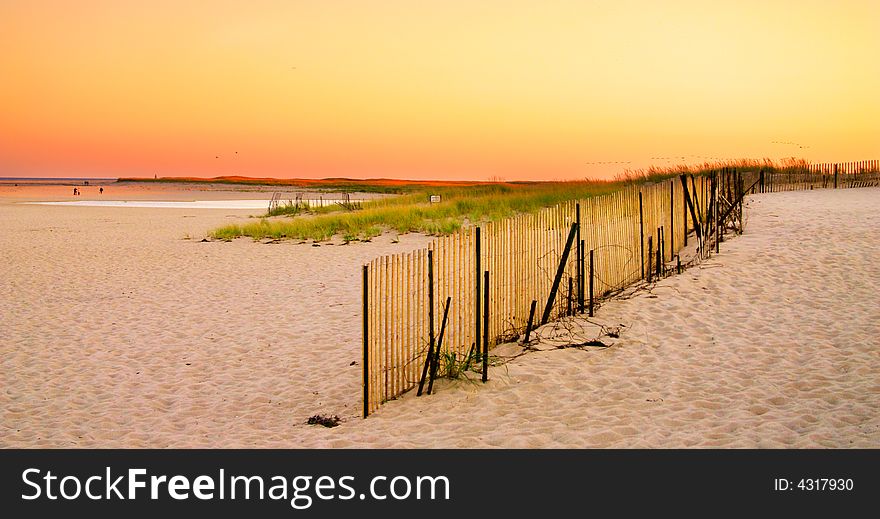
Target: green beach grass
413, 212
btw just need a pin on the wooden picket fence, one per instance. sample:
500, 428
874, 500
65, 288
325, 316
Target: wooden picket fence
817, 176
531, 257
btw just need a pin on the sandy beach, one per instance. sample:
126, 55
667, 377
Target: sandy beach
35, 190
121, 328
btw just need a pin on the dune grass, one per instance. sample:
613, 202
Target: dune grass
653, 173
329, 185
412, 212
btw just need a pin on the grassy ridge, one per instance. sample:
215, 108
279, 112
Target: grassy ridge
414, 213
339, 185
479, 202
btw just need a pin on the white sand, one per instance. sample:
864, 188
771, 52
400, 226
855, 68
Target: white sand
253, 205
117, 332
148, 191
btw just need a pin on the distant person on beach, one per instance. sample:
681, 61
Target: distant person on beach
101, 191
75, 191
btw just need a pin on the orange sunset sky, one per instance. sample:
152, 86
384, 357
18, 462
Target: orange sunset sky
431, 89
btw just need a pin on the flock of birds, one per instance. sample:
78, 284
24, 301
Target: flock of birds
701, 157
657, 158
789, 143
802, 146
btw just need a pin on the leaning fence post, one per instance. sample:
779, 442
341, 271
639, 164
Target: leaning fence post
436, 359
430, 356
559, 271
486, 326
366, 367
689, 204
684, 216
531, 320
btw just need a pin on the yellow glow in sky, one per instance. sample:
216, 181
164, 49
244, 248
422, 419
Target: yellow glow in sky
429, 88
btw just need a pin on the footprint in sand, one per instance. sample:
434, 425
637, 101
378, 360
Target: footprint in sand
758, 410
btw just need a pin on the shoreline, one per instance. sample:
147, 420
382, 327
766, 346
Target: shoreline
122, 191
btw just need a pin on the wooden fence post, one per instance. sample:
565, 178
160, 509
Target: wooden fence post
671, 218
430, 321
650, 250
702, 203
591, 282
478, 275
662, 250
581, 291
684, 216
579, 261
366, 366
486, 326
559, 271
642, 233
690, 204
659, 258
710, 207
741, 186
435, 362
568, 309
531, 320
718, 226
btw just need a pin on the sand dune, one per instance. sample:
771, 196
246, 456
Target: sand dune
117, 331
